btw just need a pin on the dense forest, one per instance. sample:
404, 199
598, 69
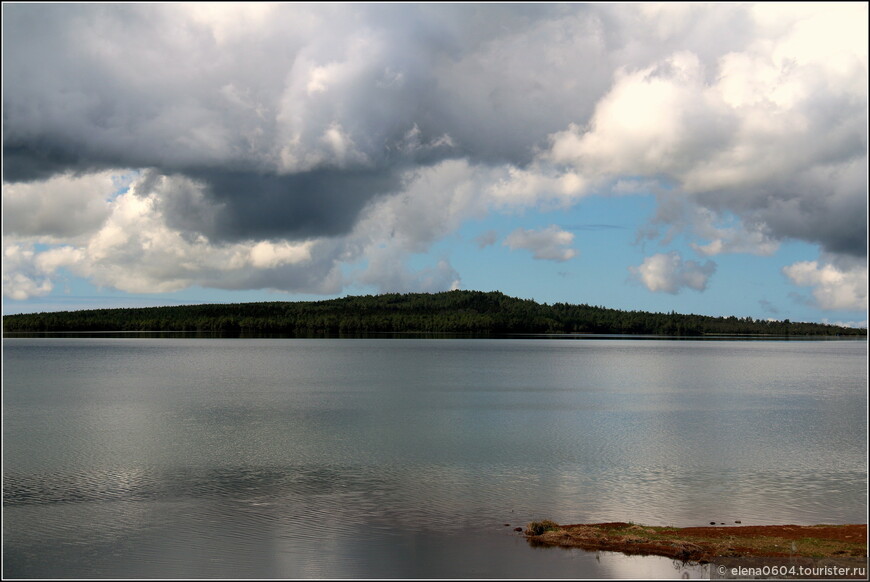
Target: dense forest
463, 312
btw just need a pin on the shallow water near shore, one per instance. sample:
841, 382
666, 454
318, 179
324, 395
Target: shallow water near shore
373, 458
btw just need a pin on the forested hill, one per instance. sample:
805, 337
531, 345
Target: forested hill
453, 312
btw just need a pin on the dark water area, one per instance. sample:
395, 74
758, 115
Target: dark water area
167, 457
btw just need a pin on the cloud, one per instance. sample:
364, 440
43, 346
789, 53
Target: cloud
537, 186
669, 273
486, 239
433, 202
548, 244
858, 324
63, 206
140, 245
289, 119
281, 121
387, 271
135, 251
21, 277
282, 146
833, 287
307, 204
773, 133
724, 231
594, 227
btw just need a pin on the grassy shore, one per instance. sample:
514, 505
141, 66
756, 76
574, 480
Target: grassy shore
702, 544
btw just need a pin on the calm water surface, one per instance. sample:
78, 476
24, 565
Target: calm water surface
373, 458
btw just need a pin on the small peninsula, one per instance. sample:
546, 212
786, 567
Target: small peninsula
456, 312
703, 544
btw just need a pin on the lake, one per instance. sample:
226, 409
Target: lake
393, 458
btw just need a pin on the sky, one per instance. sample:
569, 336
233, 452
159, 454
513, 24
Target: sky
698, 158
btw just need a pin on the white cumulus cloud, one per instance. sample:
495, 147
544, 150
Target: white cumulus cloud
669, 273
548, 244
22, 278
832, 286
59, 207
772, 131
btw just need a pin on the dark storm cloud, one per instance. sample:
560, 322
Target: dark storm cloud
826, 205
92, 86
27, 162
89, 87
244, 205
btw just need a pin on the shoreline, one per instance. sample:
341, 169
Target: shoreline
703, 544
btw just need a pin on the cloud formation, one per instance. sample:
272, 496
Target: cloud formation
62, 207
833, 287
22, 278
547, 244
759, 134
669, 273
284, 146
486, 239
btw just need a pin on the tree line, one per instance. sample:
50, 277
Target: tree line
461, 312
